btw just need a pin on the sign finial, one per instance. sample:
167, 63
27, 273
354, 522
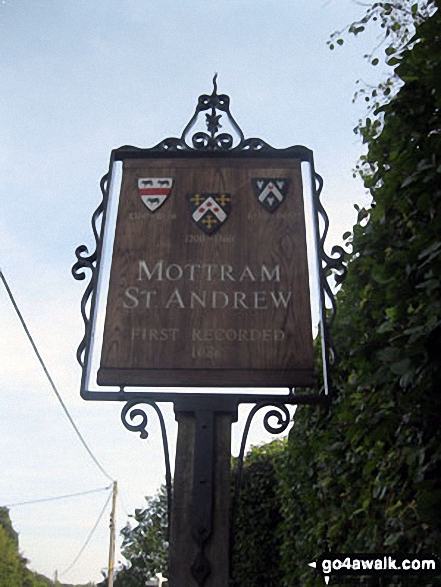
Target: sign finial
215, 84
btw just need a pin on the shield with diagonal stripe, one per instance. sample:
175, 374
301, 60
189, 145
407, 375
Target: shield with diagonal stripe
154, 191
270, 191
209, 210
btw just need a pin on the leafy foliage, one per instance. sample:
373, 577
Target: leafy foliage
366, 475
256, 556
5, 523
396, 21
145, 546
13, 569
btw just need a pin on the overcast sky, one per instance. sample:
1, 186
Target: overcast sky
79, 78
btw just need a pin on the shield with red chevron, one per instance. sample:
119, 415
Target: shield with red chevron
154, 191
209, 210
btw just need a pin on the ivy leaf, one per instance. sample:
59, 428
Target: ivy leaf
390, 50
393, 61
401, 367
434, 247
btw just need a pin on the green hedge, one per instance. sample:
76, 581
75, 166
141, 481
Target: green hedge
258, 538
365, 476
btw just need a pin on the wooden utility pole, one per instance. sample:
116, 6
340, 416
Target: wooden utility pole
112, 536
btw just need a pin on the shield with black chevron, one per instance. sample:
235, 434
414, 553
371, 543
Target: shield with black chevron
209, 210
270, 191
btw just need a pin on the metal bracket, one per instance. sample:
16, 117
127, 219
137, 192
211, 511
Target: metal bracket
128, 411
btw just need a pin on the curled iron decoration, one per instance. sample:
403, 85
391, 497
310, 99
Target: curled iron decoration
130, 412
334, 263
283, 419
217, 105
282, 415
86, 261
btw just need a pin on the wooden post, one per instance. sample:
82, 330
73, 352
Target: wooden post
199, 542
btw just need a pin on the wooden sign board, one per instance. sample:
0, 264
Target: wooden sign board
209, 278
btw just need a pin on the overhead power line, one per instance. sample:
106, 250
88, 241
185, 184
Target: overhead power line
69, 417
10, 505
88, 539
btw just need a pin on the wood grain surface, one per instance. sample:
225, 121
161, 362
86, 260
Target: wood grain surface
228, 309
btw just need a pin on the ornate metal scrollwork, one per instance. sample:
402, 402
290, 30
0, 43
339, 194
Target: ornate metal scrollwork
86, 261
130, 412
334, 263
215, 106
282, 415
212, 140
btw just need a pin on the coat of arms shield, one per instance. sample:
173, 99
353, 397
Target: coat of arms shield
270, 191
154, 191
209, 210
